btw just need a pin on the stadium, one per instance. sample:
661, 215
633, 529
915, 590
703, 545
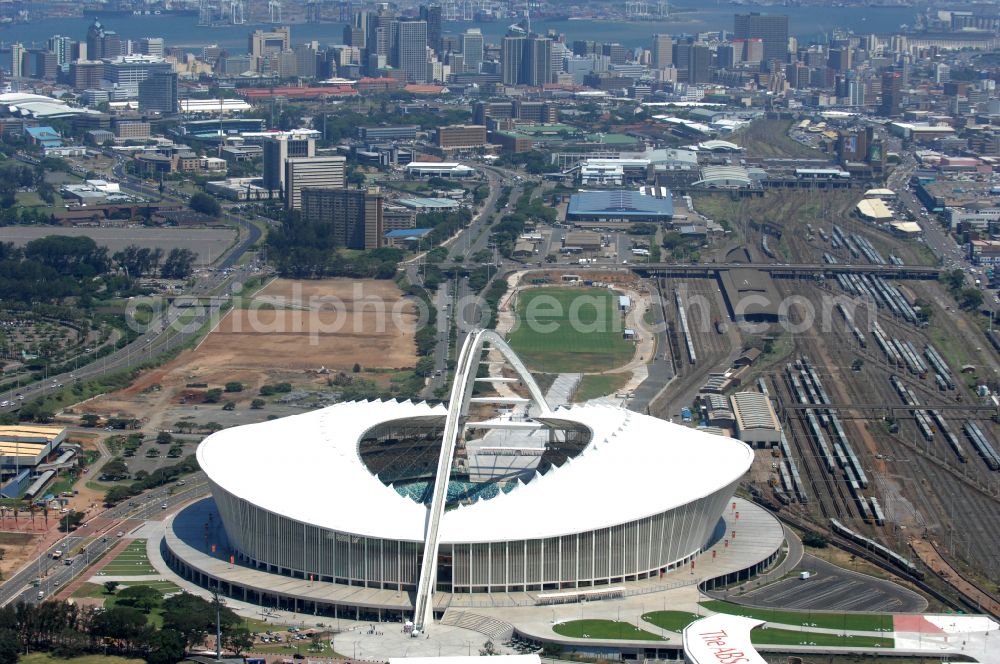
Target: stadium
535, 502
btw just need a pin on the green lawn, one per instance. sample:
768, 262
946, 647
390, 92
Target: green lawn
791, 637
603, 629
45, 658
675, 621
130, 562
570, 330
598, 385
862, 622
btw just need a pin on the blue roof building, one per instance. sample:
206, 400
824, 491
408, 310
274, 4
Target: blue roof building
46, 137
648, 204
406, 236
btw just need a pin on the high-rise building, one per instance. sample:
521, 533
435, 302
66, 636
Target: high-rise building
63, 48
618, 53
432, 16
151, 46
306, 59
17, 56
40, 63
839, 59
512, 59
262, 43
379, 33
892, 93
661, 52
410, 50
942, 73
753, 51
856, 92
130, 70
539, 61
772, 29
354, 36
472, 49
277, 150
726, 57
356, 215
526, 60
102, 43
158, 93
700, 64
302, 172
461, 137
86, 74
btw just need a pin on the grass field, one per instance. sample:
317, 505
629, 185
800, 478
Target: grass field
598, 385
603, 629
570, 330
865, 622
791, 637
675, 621
130, 562
45, 658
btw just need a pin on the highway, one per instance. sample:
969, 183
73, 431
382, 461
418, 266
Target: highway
101, 533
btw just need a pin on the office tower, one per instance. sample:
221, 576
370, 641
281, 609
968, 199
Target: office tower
753, 51
410, 50
725, 56
618, 53
942, 73
772, 29
129, 71
797, 75
277, 150
856, 92
700, 64
581, 47
306, 60
839, 59
892, 92
262, 43
538, 70
302, 172
40, 63
17, 54
682, 60
354, 36
102, 43
432, 16
63, 48
661, 52
511, 59
526, 60
158, 93
379, 32
472, 49
151, 46
356, 215
86, 74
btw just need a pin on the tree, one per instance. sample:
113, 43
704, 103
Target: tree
166, 647
206, 204
110, 587
229, 405
152, 453
488, 649
10, 646
815, 540
970, 298
194, 617
175, 451
179, 264
857, 364
214, 395
90, 419
143, 598
257, 404
237, 640
356, 368
164, 438
115, 470
234, 386
70, 521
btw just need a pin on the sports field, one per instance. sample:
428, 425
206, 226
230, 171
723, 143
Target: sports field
862, 622
562, 330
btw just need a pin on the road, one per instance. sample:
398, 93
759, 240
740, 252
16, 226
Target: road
102, 530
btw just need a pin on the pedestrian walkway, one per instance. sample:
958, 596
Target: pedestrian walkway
94, 569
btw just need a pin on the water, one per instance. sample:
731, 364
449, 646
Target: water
806, 23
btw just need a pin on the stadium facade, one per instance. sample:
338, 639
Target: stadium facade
616, 496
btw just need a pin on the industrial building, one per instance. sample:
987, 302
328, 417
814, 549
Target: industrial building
648, 204
750, 296
443, 169
756, 422
22, 449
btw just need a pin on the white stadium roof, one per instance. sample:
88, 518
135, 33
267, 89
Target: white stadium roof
307, 468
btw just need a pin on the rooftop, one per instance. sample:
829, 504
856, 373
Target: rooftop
620, 202
754, 410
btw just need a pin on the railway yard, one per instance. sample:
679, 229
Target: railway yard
885, 441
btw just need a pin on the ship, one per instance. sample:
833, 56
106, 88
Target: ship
101, 12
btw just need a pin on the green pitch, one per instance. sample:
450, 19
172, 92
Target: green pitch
562, 330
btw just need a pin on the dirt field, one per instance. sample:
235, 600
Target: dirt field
289, 332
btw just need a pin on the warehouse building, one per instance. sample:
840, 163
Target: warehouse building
648, 204
756, 422
26, 446
750, 296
